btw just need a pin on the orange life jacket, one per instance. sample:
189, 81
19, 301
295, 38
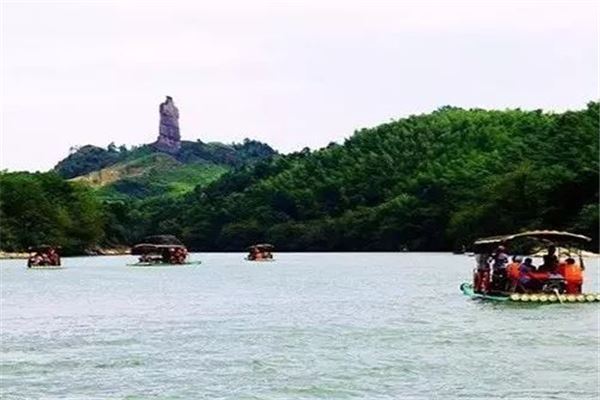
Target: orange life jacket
573, 273
512, 270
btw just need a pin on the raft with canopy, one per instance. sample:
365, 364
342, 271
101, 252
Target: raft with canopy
44, 257
260, 252
161, 250
532, 242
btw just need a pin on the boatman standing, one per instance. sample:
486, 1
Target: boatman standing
500, 260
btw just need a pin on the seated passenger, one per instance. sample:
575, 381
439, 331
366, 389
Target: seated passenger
54, 257
512, 272
573, 274
500, 258
34, 260
525, 269
45, 259
181, 255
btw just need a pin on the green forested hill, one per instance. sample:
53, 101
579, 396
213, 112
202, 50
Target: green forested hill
86, 159
428, 182
43, 208
92, 198
142, 172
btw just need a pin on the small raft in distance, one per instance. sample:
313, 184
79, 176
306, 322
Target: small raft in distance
260, 252
44, 257
161, 250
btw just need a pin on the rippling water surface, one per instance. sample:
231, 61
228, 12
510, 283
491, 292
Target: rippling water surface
331, 326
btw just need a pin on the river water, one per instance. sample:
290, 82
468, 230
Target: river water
308, 326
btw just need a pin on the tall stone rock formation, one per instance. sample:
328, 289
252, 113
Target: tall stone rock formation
169, 139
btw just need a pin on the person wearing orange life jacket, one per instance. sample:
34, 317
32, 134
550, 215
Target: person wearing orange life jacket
512, 272
573, 274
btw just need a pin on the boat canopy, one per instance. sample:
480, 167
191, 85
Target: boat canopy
262, 247
146, 248
43, 248
162, 239
550, 237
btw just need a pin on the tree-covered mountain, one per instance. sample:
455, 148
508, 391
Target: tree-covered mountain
89, 158
91, 197
427, 182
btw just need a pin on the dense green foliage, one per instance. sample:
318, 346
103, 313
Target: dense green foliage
87, 159
233, 155
428, 182
43, 208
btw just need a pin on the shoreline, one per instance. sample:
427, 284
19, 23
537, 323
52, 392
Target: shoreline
17, 255
6, 255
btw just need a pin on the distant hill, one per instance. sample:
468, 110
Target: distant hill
145, 171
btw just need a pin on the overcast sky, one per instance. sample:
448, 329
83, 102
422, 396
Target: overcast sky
292, 74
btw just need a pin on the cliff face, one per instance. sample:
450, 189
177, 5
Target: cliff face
169, 139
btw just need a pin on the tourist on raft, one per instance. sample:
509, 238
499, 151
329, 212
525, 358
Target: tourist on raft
550, 261
569, 270
37, 259
524, 277
525, 282
177, 255
259, 254
512, 272
53, 257
255, 254
573, 274
44, 258
499, 262
181, 254
482, 275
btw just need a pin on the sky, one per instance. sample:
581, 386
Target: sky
293, 74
